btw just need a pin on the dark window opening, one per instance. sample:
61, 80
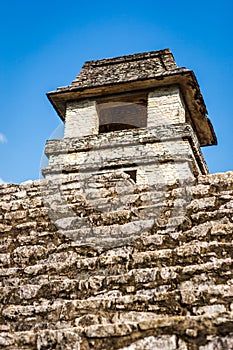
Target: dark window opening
115, 127
132, 174
122, 113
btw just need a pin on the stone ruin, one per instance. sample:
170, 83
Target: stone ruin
126, 244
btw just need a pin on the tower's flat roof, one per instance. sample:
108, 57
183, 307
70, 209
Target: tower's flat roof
125, 68
137, 72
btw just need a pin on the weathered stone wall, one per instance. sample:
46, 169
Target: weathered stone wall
137, 74
136, 154
164, 154
81, 119
165, 106
87, 264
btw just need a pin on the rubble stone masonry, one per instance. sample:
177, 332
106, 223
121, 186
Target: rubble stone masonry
146, 268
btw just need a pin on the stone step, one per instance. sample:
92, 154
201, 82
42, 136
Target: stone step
93, 283
34, 259
190, 299
166, 237
44, 339
174, 332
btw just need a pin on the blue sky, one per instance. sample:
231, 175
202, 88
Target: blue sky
44, 44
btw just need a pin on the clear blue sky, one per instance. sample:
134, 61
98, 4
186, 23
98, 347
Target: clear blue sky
44, 44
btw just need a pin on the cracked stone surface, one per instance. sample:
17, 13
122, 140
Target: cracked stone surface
164, 278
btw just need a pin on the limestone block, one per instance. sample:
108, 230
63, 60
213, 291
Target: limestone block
63, 339
106, 330
5, 228
21, 194
220, 343
167, 342
165, 106
5, 259
16, 215
6, 340
202, 204
81, 119
24, 254
209, 309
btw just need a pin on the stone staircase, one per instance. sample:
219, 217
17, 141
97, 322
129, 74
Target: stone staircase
103, 263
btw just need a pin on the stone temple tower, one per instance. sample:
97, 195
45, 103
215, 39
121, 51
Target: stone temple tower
127, 242
139, 113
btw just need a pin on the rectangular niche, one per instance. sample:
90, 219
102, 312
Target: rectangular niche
123, 112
